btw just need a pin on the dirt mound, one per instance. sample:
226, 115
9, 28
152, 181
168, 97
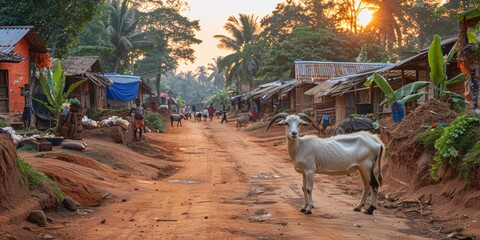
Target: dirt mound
116, 133
403, 150
78, 160
12, 191
428, 113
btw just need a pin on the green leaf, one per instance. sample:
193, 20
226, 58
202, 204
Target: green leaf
452, 52
385, 101
413, 97
382, 84
459, 78
410, 89
72, 87
436, 62
50, 109
46, 89
472, 38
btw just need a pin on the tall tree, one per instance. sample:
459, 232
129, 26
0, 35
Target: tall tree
123, 32
244, 62
347, 12
173, 36
57, 21
280, 23
217, 76
202, 75
388, 21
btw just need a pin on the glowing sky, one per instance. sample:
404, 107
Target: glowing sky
213, 14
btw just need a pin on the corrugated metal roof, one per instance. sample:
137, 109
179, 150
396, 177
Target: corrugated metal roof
79, 65
11, 57
311, 71
11, 35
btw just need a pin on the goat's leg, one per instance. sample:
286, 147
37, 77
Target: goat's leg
309, 186
366, 190
305, 195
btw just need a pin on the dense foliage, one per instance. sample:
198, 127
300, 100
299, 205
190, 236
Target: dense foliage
155, 120
457, 140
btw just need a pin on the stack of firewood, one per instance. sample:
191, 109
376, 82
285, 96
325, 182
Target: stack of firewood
70, 126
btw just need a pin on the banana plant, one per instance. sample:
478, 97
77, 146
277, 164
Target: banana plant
438, 72
53, 86
406, 93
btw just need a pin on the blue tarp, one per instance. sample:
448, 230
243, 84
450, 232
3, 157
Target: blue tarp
124, 87
123, 91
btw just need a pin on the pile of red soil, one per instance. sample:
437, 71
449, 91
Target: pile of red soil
12, 191
404, 153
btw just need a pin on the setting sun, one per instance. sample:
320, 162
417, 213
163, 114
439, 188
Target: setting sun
364, 17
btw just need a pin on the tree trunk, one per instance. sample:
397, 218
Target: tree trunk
157, 86
117, 64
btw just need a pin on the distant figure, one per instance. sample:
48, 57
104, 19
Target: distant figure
153, 106
194, 108
138, 124
224, 111
211, 111
205, 114
108, 106
27, 110
254, 110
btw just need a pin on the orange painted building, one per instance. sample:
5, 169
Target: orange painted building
19, 47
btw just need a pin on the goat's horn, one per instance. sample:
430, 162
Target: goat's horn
306, 118
278, 116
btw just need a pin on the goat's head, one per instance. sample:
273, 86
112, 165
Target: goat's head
292, 123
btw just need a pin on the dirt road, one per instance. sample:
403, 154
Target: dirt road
232, 185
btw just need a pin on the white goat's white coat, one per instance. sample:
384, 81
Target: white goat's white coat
339, 155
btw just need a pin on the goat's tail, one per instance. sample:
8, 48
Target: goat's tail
379, 158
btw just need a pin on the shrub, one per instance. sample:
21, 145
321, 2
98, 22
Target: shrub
3, 123
35, 178
471, 159
428, 138
456, 141
155, 120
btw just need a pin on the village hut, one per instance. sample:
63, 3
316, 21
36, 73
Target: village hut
345, 95
309, 74
19, 47
92, 92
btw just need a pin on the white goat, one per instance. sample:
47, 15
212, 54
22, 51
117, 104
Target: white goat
339, 155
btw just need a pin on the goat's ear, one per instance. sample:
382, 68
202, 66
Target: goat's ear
303, 123
282, 122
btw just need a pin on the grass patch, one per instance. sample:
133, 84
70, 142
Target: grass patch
428, 138
27, 148
94, 156
41, 155
3, 123
155, 120
35, 178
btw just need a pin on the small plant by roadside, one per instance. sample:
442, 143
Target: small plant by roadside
428, 138
155, 120
458, 140
36, 179
27, 148
3, 123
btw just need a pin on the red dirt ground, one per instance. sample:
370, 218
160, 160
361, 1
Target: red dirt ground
208, 181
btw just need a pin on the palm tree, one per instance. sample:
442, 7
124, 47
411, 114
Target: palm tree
202, 75
217, 76
122, 31
388, 21
244, 62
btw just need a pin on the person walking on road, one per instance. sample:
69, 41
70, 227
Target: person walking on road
211, 111
138, 123
224, 111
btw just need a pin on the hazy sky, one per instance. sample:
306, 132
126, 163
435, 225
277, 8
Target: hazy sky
213, 15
